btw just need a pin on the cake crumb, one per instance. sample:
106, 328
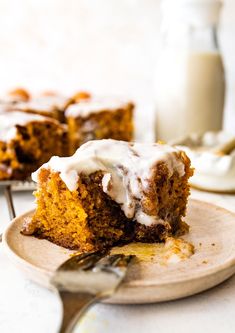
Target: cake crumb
172, 251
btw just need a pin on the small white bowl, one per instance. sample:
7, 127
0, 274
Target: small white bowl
214, 170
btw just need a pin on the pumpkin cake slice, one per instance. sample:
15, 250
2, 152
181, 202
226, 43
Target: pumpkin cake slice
109, 192
99, 117
27, 141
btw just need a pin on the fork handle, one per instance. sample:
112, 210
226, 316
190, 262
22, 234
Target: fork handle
74, 306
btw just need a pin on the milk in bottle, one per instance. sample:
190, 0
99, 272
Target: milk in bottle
190, 81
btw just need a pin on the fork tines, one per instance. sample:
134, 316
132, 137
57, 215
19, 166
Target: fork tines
92, 272
86, 279
81, 261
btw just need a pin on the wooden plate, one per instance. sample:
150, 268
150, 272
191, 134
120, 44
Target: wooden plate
212, 232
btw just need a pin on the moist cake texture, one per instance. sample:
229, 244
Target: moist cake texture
27, 141
95, 118
109, 192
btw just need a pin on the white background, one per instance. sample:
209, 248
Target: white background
106, 46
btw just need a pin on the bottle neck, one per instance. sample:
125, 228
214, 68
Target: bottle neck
191, 37
203, 39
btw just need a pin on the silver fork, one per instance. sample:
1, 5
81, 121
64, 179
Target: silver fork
84, 280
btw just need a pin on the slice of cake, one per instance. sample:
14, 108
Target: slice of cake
27, 141
99, 118
110, 192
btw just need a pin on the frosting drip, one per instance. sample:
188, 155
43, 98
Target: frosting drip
128, 170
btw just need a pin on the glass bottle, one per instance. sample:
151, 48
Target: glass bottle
190, 82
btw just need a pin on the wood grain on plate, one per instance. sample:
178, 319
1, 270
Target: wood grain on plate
212, 231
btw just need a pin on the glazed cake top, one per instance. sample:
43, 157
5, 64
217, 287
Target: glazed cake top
128, 169
9, 121
44, 103
94, 105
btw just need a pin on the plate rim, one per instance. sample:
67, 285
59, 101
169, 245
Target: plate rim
229, 263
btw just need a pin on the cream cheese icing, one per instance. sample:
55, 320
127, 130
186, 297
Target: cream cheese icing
127, 167
94, 105
9, 121
44, 103
213, 171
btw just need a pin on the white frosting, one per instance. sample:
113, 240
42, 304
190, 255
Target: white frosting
212, 171
94, 105
127, 168
9, 120
44, 103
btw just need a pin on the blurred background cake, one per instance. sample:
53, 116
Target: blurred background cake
37, 128
99, 118
27, 141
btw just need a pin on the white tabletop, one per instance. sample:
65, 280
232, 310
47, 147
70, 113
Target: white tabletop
26, 307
